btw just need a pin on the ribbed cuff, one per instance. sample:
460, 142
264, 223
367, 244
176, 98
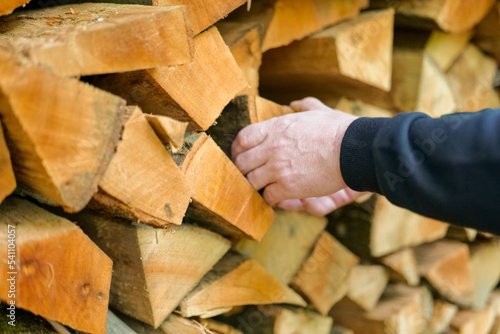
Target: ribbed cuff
356, 155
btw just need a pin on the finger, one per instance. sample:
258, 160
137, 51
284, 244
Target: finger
249, 137
261, 177
318, 206
252, 159
291, 204
309, 103
344, 197
274, 193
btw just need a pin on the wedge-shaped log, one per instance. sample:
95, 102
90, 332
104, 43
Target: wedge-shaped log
240, 112
471, 78
60, 144
153, 268
222, 198
353, 58
376, 227
285, 21
100, 38
142, 181
452, 16
51, 277
446, 265
402, 266
485, 270
174, 324
195, 92
7, 179
170, 131
442, 314
243, 40
472, 321
487, 33
286, 244
324, 277
366, 285
446, 48
8, 6
402, 309
494, 303
236, 281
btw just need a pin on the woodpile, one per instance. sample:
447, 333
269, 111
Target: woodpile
122, 212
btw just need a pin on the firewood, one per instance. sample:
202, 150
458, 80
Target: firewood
219, 327
58, 154
336, 329
115, 325
366, 285
236, 281
376, 227
57, 269
494, 303
402, 266
286, 244
288, 20
142, 181
446, 48
358, 108
487, 33
402, 309
244, 42
449, 15
446, 265
324, 277
195, 92
460, 233
7, 179
353, 58
222, 198
8, 6
153, 268
240, 112
100, 38
471, 78
485, 270
472, 322
441, 317
168, 130
174, 324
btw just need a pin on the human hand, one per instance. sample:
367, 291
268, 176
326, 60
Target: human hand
295, 155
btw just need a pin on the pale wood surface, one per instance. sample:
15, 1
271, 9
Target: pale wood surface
441, 317
168, 130
100, 38
446, 48
115, 325
485, 270
487, 33
301, 321
7, 178
366, 285
59, 269
402, 266
472, 322
173, 324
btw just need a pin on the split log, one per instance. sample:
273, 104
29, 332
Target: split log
168, 130
236, 281
402, 309
240, 112
58, 154
100, 38
472, 322
8, 6
453, 16
195, 92
485, 270
222, 198
441, 317
219, 327
460, 233
115, 325
471, 79
376, 227
52, 278
494, 303
288, 20
487, 33
7, 179
446, 48
153, 268
244, 42
336, 329
353, 59
446, 265
366, 285
402, 266
286, 244
174, 324
358, 108
142, 181
324, 277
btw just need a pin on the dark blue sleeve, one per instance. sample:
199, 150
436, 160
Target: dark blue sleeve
445, 168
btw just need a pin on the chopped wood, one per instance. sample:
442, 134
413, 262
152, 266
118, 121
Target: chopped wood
8, 6
174, 324
7, 178
485, 270
494, 303
195, 92
402, 266
487, 33
441, 317
446, 48
57, 154
240, 112
142, 181
376, 227
58, 268
168, 130
472, 322
115, 325
244, 42
336, 329
100, 38
286, 244
366, 285
471, 79
402, 309
460, 233
358, 108
324, 277
446, 265
214, 179
153, 268
219, 327
235, 281
353, 58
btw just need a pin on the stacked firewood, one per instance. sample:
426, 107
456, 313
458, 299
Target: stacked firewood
122, 212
